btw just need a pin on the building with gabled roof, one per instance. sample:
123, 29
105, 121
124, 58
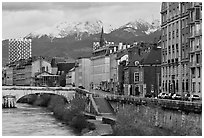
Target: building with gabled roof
139, 70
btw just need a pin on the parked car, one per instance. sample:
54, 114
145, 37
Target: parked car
148, 95
187, 97
169, 96
176, 97
81, 87
194, 97
162, 95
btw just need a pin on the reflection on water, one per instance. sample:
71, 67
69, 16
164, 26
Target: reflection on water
27, 120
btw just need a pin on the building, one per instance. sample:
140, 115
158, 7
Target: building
195, 51
35, 71
122, 60
151, 67
181, 47
19, 49
45, 78
22, 73
70, 77
113, 71
3, 76
175, 47
139, 69
100, 63
82, 72
39, 65
62, 69
9, 75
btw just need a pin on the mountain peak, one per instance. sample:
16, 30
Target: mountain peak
141, 26
79, 29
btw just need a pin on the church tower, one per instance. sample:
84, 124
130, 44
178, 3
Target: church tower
102, 40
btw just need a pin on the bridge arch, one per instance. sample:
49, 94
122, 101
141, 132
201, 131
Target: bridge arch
20, 93
41, 94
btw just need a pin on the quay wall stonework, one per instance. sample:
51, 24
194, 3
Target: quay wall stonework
177, 121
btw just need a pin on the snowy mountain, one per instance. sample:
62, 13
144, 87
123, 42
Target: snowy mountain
77, 29
83, 29
71, 39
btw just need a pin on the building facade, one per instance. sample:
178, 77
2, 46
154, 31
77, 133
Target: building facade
113, 71
9, 75
82, 73
100, 64
181, 47
19, 49
139, 69
22, 75
39, 65
195, 52
70, 77
174, 42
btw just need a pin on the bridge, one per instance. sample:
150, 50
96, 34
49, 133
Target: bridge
18, 92
97, 105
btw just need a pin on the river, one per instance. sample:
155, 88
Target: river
28, 120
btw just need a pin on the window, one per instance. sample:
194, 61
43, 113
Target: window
173, 34
199, 72
197, 13
199, 89
43, 69
186, 85
47, 68
169, 35
193, 86
191, 58
177, 33
183, 38
176, 85
173, 48
169, 49
177, 48
182, 56
186, 22
182, 23
183, 87
183, 70
197, 58
193, 72
197, 28
136, 76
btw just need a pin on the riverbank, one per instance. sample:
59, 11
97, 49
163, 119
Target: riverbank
142, 120
71, 113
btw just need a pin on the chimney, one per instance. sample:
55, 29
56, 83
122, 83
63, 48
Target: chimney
124, 46
120, 46
114, 49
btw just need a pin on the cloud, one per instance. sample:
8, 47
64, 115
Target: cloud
27, 6
27, 17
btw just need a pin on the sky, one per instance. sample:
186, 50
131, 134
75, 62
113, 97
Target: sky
21, 18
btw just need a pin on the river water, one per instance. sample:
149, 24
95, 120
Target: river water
28, 120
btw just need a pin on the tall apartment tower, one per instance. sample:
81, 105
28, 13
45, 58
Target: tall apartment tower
19, 49
176, 47
195, 53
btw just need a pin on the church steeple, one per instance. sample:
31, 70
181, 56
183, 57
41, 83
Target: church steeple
102, 40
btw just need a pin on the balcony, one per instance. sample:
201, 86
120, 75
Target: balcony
192, 49
197, 4
192, 35
198, 33
20, 73
195, 64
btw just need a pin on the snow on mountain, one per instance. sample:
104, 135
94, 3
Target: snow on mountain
78, 29
141, 26
83, 29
